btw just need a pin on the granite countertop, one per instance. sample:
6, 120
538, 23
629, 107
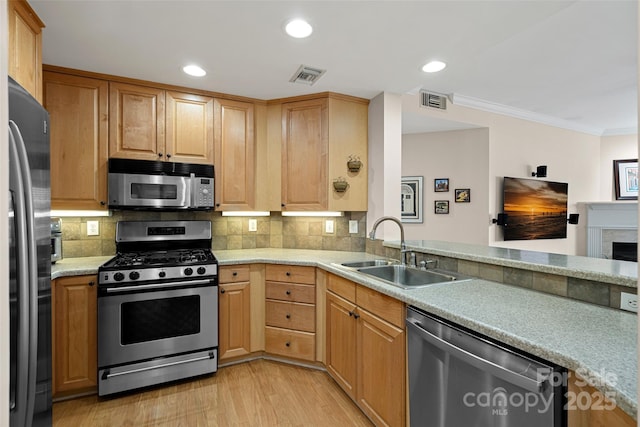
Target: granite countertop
598, 342
623, 273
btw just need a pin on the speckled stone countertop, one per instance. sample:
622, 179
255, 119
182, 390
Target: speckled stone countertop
598, 342
623, 273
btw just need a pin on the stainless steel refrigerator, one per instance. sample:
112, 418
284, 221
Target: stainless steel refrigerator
30, 260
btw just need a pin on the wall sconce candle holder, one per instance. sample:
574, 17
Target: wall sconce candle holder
340, 185
354, 164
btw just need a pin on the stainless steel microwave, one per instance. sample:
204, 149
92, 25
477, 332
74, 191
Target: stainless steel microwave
145, 184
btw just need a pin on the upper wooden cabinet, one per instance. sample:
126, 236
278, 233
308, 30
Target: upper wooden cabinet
235, 155
78, 110
25, 47
318, 137
147, 123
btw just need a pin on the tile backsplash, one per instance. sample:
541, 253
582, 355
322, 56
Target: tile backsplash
274, 231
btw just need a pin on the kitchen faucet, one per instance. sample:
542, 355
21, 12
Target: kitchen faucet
403, 247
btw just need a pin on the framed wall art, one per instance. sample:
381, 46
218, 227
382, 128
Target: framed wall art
463, 195
441, 206
625, 174
411, 198
441, 185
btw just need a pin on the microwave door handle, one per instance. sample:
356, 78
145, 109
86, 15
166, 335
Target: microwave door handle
192, 190
22, 285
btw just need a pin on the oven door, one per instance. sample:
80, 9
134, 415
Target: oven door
155, 322
149, 191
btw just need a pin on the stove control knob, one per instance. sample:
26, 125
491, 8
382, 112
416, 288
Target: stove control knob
134, 275
188, 271
118, 277
202, 270
162, 274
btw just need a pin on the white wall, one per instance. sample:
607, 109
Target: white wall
516, 147
463, 157
614, 148
4, 226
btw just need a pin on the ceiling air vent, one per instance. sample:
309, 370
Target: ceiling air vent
433, 100
307, 75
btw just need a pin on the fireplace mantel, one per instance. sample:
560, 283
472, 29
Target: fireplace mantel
617, 217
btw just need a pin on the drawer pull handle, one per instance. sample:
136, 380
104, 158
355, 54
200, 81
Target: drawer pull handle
235, 273
288, 273
288, 316
288, 344
288, 292
91, 283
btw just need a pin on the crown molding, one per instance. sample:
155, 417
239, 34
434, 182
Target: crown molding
620, 131
492, 107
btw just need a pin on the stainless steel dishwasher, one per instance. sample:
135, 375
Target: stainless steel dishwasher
459, 378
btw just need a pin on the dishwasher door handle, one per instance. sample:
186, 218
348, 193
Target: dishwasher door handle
512, 377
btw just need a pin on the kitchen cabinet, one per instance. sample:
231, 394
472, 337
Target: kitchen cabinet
366, 349
234, 311
79, 115
148, 123
290, 311
319, 135
74, 335
25, 47
588, 407
235, 155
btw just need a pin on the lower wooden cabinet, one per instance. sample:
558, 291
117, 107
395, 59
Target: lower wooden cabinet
74, 335
366, 349
588, 407
234, 314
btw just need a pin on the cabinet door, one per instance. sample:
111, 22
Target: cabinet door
305, 148
235, 151
78, 110
75, 346
341, 342
234, 320
381, 370
189, 121
136, 122
25, 47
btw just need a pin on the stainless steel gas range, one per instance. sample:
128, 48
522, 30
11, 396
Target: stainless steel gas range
157, 305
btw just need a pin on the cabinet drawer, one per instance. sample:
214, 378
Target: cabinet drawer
290, 292
292, 315
386, 307
285, 342
235, 273
291, 274
343, 287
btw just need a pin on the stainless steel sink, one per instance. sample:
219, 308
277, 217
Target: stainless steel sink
368, 263
410, 278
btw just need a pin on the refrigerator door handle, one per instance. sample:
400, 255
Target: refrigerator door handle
19, 409
32, 267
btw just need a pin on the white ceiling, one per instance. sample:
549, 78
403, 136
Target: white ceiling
573, 62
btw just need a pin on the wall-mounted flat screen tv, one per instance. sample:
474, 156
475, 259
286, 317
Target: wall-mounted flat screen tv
535, 209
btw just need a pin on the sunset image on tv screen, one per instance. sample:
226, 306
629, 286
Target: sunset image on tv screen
535, 209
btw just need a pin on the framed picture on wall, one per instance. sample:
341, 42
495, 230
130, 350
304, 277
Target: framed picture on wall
441, 185
441, 206
625, 174
463, 195
411, 198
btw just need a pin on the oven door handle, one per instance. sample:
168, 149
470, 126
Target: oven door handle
106, 374
153, 286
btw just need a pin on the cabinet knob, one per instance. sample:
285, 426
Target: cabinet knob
222, 291
288, 273
282, 204
159, 154
235, 273
288, 316
288, 344
168, 156
102, 203
91, 283
217, 205
288, 292
350, 313
356, 316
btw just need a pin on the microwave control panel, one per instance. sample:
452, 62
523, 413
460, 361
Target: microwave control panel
203, 190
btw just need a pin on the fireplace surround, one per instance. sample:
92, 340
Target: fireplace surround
608, 222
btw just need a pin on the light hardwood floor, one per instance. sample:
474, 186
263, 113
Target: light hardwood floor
257, 393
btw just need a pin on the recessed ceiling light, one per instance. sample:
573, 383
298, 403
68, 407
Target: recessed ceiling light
298, 28
434, 66
194, 70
